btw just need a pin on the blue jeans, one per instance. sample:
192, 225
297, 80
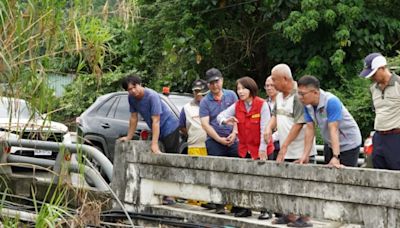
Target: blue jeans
214, 148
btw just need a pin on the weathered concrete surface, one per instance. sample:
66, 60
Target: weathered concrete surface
350, 195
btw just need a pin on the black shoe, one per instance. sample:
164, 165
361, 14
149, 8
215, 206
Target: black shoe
243, 213
220, 209
209, 206
264, 215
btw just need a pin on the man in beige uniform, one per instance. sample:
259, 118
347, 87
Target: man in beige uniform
385, 92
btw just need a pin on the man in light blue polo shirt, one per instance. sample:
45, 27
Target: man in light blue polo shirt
221, 139
157, 115
338, 128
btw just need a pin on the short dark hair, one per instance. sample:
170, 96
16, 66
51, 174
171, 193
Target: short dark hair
309, 81
249, 84
130, 79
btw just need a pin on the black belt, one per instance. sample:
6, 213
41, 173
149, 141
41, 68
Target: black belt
395, 131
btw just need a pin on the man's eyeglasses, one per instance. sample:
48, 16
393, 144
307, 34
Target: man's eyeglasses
303, 94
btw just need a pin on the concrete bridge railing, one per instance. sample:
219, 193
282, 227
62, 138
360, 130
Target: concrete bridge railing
351, 195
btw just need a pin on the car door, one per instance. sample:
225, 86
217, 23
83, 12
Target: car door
119, 117
122, 115
104, 125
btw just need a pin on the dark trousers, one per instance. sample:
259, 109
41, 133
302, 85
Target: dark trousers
386, 153
216, 149
347, 158
274, 155
171, 142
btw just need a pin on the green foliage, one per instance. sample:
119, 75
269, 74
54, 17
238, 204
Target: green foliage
338, 34
324, 37
54, 212
167, 48
83, 92
394, 63
51, 36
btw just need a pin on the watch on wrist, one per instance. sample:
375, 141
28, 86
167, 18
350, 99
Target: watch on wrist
336, 156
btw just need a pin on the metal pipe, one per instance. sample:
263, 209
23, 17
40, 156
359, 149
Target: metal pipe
22, 215
89, 173
103, 161
36, 161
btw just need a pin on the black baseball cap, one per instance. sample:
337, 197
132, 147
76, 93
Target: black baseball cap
213, 74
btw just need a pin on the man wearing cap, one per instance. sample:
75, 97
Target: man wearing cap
221, 139
338, 128
157, 115
385, 92
189, 120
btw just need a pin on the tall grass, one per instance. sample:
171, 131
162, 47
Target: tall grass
39, 37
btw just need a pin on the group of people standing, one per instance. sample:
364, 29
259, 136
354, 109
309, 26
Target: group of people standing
281, 127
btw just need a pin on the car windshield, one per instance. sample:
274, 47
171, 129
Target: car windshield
179, 101
16, 108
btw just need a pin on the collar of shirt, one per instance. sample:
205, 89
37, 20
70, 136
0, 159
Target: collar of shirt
392, 80
211, 97
322, 100
194, 103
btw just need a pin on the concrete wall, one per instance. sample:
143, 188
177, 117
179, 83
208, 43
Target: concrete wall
351, 195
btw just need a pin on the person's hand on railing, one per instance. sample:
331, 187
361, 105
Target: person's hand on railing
281, 154
263, 155
335, 162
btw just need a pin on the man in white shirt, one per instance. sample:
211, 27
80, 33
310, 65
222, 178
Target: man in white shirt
288, 118
189, 121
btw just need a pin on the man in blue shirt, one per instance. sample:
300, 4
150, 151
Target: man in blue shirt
158, 116
221, 139
338, 128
